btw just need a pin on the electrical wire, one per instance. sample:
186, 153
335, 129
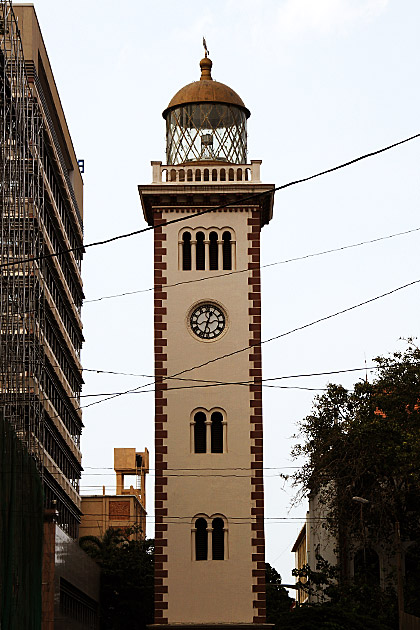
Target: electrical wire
83, 248
257, 344
247, 270
273, 378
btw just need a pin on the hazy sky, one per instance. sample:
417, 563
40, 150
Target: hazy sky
326, 81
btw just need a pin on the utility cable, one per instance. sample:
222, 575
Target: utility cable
257, 344
82, 248
273, 264
272, 378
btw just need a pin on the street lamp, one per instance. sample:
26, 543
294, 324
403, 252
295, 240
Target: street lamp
362, 502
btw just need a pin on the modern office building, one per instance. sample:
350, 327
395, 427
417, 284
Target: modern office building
207, 205
41, 294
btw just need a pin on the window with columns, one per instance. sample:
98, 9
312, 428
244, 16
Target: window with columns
207, 249
213, 528
208, 431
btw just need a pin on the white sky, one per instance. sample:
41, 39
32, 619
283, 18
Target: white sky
325, 81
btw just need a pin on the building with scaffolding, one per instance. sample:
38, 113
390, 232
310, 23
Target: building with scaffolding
41, 199
127, 508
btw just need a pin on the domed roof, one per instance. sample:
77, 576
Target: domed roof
206, 91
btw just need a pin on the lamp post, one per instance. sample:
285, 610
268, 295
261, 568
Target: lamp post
362, 502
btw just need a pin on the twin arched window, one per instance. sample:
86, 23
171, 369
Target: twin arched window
209, 432
201, 542
201, 251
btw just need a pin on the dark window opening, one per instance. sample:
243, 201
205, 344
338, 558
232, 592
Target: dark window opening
201, 539
214, 254
222, 175
186, 251
206, 175
214, 175
216, 432
227, 251
200, 432
218, 543
200, 252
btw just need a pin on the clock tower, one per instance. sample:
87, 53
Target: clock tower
207, 206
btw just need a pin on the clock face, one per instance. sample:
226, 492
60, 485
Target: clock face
207, 321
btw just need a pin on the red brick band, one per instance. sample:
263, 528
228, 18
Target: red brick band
160, 326
256, 428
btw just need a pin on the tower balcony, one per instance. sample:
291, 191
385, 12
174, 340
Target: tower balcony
208, 172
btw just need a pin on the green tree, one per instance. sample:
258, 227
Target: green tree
327, 617
366, 443
127, 578
277, 598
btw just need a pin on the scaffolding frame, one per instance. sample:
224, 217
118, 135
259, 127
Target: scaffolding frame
22, 308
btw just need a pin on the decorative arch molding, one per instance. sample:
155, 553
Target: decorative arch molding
207, 249
209, 537
208, 430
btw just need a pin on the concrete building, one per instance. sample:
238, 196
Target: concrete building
316, 541
126, 508
40, 293
41, 197
207, 206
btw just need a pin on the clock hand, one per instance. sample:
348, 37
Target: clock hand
207, 322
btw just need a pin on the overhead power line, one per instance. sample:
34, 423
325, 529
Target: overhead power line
273, 264
244, 349
207, 383
112, 239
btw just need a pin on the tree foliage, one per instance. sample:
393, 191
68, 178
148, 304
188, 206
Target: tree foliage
366, 443
277, 598
127, 582
327, 617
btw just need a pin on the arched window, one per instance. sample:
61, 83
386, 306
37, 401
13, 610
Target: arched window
239, 174
227, 251
214, 254
186, 251
198, 174
231, 175
200, 442
217, 539
200, 252
216, 432
173, 175
189, 175
206, 175
222, 175
182, 175
214, 175
201, 539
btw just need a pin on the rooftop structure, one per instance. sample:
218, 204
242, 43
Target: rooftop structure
126, 508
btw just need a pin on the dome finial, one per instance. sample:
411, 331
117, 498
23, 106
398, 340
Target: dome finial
205, 64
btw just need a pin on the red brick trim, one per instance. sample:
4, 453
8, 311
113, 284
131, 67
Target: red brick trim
161, 418
256, 425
